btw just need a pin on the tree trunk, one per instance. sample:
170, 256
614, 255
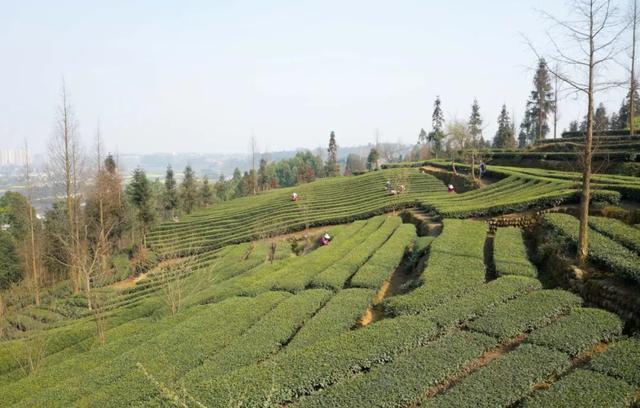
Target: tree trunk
34, 267
632, 107
473, 166
583, 235
88, 289
66, 129
555, 107
540, 115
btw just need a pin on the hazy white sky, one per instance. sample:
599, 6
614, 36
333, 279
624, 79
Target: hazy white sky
201, 76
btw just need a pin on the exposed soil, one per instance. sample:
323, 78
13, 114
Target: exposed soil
133, 280
372, 314
474, 365
579, 361
248, 251
129, 282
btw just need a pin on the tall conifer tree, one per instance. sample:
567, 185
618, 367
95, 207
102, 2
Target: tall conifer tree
170, 199
332, 166
189, 191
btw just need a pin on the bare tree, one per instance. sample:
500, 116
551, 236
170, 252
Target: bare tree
33, 352
399, 186
556, 90
32, 252
634, 15
253, 146
173, 290
63, 169
592, 38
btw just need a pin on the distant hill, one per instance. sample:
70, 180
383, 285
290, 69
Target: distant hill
214, 164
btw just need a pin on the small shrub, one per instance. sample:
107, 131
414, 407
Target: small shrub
620, 360
526, 313
580, 330
510, 253
583, 388
504, 380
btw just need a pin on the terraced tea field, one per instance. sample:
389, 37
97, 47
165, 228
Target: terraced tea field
380, 317
334, 201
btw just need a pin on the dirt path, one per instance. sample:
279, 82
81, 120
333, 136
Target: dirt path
475, 365
133, 280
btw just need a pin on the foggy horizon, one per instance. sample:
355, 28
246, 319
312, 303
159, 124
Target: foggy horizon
204, 77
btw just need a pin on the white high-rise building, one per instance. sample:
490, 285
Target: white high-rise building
13, 157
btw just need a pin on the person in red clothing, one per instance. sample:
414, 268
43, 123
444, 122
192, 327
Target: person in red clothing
326, 238
451, 189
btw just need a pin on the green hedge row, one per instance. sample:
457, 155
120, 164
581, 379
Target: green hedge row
528, 312
602, 250
268, 275
455, 266
561, 186
327, 201
335, 275
62, 338
422, 245
282, 251
510, 254
576, 333
620, 360
618, 231
613, 155
292, 374
620, 134
325, 257
481, 300
81, 358
404, 380
338, 316
504, 380
178, 349
385, 259
43, 315
258, 342
584, 388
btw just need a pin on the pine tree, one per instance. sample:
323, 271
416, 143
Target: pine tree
540, 103
623, 115
526, 130
600, 119
613, 122
372, 159
623, 121
140, 195
206, 193
263, 176
573, 126
423, 138
332, 166
110, 164
504, 138
236, 183
636, 103
170, 197
436, 136
189, 192
221, 188
475, 125
248, 181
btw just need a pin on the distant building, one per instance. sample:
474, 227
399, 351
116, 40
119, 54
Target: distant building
13, 157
